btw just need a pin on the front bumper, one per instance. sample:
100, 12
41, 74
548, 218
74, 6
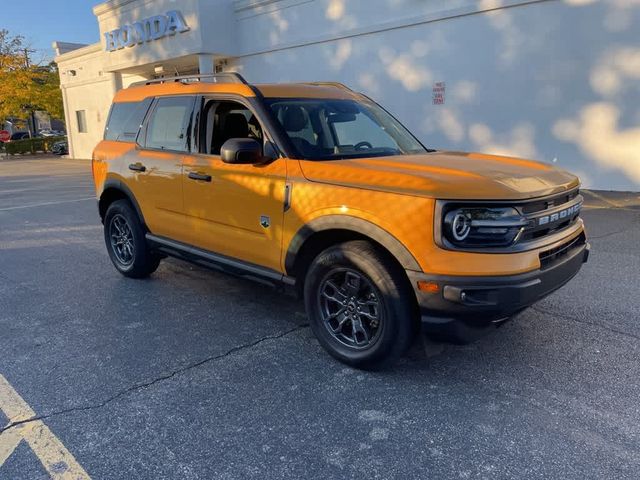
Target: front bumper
481, 300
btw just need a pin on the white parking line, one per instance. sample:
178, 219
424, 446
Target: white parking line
19, 207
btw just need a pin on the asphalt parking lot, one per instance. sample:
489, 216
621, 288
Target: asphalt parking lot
194, 374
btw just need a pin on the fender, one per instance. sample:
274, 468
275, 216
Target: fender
114, 183
356, 225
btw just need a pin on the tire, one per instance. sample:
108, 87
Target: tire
382, 330
128, 251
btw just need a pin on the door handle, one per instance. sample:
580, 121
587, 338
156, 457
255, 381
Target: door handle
137, 167
199, 176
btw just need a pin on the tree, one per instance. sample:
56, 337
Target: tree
24, 86
12, 51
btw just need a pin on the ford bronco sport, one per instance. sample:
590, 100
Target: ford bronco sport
318, 188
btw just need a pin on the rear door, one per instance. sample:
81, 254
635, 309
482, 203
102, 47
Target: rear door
234, 210
155, 174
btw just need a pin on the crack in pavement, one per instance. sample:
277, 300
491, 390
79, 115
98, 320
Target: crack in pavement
579, 320
161, 378
610, 234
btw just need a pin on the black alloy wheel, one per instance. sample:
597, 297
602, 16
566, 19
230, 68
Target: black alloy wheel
350, 307
121, 240
124, 237
360, 305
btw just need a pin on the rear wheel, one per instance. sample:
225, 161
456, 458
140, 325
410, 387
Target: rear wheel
359, 305
126, 243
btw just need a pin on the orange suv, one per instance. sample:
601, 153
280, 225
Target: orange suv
318, 188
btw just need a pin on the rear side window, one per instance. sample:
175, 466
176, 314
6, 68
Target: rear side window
168, 126
125, 120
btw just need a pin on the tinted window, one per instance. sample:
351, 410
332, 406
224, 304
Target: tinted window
125, 119
167, 128
222, 120
303, 129
325, 129
359, 128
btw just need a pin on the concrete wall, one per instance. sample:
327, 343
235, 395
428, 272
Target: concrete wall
556, 80
87, 86
553, 80
110, 17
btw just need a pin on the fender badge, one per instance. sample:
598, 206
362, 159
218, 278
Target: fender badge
265, 221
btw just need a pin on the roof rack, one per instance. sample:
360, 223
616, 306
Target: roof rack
227, 77
328, 84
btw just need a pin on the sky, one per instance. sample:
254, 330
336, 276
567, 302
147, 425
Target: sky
42, 22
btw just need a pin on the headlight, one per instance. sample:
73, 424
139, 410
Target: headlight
471, 227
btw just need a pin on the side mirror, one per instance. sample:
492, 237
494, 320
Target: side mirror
241, 150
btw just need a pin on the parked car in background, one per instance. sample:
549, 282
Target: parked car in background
50, 133
19, 136
60, 148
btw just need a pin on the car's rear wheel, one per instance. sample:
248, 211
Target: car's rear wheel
359, 306
126, 243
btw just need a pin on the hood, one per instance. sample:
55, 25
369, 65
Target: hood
445, 175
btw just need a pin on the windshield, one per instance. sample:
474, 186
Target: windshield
324, 129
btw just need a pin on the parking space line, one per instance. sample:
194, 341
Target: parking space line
603, 199
55, 458
19, 207
9, 441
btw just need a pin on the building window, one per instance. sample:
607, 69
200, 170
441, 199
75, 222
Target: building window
81, 117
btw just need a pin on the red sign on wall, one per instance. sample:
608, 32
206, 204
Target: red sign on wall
4, 136
438, 93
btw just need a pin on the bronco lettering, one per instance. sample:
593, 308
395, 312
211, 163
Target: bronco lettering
568, 212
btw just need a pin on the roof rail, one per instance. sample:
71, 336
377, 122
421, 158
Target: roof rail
226, 77
328, 84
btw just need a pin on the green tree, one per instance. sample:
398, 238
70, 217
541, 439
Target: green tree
25, 86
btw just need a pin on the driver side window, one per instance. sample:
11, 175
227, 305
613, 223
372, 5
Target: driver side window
222, 120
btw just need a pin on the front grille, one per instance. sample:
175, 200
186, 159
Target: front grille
549, 257
540, 205
550, 215
546, 221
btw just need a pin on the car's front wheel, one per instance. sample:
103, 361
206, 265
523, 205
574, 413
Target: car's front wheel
126, 243
359, 305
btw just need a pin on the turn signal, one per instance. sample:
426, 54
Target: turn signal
429, 287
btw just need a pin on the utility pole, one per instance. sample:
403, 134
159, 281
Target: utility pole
31, 118
31, 121
33, 124
27, 59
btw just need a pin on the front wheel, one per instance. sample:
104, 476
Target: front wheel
359, 305
126, 243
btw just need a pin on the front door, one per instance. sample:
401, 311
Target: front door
234, 210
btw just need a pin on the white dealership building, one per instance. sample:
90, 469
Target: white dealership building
555, 80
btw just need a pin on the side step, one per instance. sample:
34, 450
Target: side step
219, 262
